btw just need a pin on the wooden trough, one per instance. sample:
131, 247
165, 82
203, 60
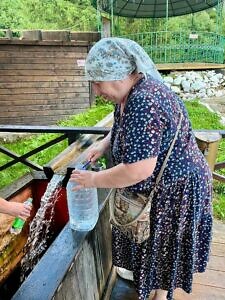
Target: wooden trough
76, 265
87, 255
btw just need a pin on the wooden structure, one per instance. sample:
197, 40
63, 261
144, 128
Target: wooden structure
42, 76
207, 286
83, 269
168, 46
12, 247
190, 66
79, 265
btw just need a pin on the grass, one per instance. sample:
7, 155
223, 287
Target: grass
22, 146
202, 118
219, 200
199, 115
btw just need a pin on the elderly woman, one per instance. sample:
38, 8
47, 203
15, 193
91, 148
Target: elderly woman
151, 126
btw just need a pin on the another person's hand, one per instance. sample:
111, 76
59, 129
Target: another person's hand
20, 210
83, 179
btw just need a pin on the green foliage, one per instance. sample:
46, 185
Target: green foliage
90, 117
10, 14
208, 120
81, 15
102, 101
51, 14
201, 21
202, 118
219, 200
102, 163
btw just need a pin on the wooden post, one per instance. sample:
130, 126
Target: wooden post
208, 143
33, 35
56, 35
85, 36
8, 34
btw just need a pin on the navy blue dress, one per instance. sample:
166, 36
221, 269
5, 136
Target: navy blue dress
181, 213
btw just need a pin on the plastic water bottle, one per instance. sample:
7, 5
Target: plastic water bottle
82, 206
18, 223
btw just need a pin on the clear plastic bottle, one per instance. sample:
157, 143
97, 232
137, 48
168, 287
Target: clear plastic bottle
82, 206
18, 223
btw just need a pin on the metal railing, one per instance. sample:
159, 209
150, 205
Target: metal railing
178, 47
72, 134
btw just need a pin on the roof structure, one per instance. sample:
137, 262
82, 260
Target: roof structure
153, 8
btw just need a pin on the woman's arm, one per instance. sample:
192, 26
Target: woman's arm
120, 176
98, 149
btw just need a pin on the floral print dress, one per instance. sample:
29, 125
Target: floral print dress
181, 214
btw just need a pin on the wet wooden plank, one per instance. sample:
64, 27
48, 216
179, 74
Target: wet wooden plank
207, 286
88, 274
123, 290
218, 249
219, 232
217, 263
201, 292
211, 278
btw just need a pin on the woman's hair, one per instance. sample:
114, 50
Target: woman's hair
115, 58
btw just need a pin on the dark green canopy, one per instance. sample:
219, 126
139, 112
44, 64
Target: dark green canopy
154, 8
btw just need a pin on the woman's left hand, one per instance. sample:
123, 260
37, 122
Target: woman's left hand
83, 179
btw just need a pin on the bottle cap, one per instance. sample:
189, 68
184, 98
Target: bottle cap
29, 200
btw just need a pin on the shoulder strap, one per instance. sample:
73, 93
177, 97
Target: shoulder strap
148, 203
169, 151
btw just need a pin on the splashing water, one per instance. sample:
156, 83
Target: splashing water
40, 226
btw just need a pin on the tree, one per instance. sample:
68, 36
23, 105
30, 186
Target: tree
51, 14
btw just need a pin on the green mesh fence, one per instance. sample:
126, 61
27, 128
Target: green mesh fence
177, 47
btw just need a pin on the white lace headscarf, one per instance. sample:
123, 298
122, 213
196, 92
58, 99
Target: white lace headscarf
115, 58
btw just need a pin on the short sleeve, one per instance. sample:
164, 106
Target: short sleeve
142, 131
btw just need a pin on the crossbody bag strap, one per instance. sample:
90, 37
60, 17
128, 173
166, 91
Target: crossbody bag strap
148, 203
169, 151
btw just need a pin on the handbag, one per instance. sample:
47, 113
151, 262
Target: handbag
130, 212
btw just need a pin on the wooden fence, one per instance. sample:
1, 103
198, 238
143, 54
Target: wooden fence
42, 76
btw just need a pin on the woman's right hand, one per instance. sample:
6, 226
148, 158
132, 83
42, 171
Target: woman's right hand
96, 151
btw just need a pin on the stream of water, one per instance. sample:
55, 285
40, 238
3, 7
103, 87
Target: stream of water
40, 226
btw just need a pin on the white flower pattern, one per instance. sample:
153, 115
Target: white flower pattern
181, 214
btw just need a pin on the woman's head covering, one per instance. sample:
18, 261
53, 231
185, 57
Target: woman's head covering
115, 58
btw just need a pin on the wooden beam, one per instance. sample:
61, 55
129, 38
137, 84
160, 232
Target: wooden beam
189, 66
219, 177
